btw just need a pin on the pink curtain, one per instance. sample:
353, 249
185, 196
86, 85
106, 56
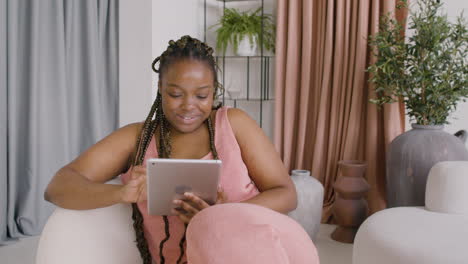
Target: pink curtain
322, 112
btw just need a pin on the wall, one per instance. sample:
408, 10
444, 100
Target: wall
459, 119
170, 21
134, 60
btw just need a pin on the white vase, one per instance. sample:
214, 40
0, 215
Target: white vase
309, 202
246, 48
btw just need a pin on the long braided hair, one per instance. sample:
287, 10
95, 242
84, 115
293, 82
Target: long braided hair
184, 48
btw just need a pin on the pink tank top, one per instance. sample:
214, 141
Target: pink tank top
235, 181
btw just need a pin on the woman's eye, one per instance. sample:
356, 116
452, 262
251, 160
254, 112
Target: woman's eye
202, 96
175, 95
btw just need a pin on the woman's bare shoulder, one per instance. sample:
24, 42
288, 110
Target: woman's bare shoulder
240, 121
133, 129
108, 157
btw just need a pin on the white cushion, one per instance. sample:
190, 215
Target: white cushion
411, 235
447, 188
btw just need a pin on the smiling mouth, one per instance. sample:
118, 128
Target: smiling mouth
187, 119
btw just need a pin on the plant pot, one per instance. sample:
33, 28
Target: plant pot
410, 157
246, 48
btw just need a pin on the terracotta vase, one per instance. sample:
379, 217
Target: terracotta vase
350, 209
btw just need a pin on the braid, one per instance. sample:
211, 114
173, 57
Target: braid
168, 235
184, 48
181, 245
212, 138
164, 139
147, 132
144, 134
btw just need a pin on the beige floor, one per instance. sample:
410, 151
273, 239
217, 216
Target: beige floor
330, 251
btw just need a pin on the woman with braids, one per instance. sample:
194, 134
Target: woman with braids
246, 225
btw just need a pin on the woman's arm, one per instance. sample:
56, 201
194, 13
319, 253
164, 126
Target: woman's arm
81, 184
277, 191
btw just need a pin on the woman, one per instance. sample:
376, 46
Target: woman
184, 123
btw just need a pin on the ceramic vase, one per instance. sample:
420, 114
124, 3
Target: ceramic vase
410, 157
350, 208
309, 201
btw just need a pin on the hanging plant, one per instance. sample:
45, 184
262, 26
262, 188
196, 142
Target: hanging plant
235, 26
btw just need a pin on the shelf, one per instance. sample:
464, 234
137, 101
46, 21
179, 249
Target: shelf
260, 63
241, 57
232, 2
250, 99
228, 1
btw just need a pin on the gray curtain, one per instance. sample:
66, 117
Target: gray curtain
58, 96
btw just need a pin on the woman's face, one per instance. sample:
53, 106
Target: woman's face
187, 88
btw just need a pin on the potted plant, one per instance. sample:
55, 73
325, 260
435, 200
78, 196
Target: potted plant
243, 30
428, 72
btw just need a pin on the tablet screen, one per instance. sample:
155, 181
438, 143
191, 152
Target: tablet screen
169, 179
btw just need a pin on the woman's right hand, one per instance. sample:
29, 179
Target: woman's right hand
135, 189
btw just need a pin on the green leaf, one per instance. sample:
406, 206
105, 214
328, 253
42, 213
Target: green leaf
428, 69
234, 24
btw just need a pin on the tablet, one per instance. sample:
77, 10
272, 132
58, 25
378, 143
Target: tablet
169, 179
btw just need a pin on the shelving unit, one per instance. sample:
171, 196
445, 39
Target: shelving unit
255, 70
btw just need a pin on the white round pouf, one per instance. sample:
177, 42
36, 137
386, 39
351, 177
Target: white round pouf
435, 234
447, 188
412, 235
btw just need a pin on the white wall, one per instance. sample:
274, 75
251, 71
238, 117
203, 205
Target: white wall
134, 60
458, 119
172, 20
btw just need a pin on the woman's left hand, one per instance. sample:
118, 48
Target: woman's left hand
192, 204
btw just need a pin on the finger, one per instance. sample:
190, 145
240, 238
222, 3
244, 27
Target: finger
143, 191
137, 181
196, 201
139, 166
138, 176
138, 171
222, 197
186, 207
133, 186
139, 191
183, 217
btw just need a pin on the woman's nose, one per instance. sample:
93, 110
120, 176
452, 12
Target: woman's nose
188, 103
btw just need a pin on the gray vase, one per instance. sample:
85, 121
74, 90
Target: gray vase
309, 202
410, 157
